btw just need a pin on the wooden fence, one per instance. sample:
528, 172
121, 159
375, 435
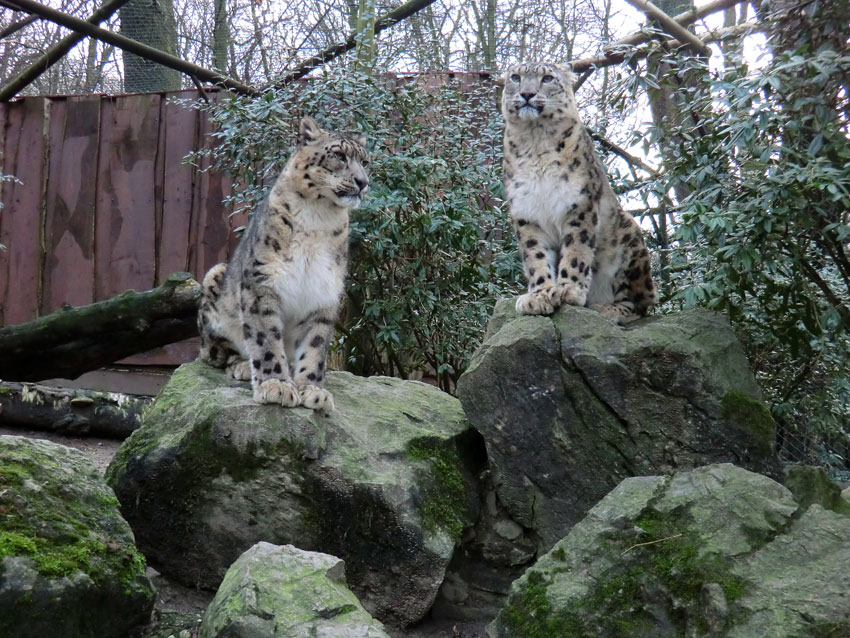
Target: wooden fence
105, 201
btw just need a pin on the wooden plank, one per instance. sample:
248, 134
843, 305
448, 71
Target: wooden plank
71, 196
177, 140
22, 213
4, 255
125, 255
210, 227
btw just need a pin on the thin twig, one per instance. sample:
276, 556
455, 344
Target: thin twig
660, 540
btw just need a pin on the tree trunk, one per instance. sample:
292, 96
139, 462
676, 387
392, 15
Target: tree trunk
365, 52
72, 341
74, 412
221, 36
150, 22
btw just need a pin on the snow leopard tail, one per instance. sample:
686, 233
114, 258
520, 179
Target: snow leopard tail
214, 350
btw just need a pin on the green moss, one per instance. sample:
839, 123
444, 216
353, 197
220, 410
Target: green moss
529, 613
665, 564
751, 414
4, 390
444, 491
677, 562
831, 629
810, 485
62, 528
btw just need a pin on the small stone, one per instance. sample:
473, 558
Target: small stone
508, 529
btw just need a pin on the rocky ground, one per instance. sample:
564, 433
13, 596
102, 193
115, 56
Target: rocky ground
179, 609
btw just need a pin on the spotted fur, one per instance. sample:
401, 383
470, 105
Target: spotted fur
578, 246
268, 315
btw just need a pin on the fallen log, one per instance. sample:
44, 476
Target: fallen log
71, 341
74, 412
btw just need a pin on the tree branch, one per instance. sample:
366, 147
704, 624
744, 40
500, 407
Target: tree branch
70, 411
387, 20
608, 145
671, 26
616, 52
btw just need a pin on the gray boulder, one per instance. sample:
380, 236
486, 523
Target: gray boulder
386, 482
274, 590
717, 552
68, 565
570, 405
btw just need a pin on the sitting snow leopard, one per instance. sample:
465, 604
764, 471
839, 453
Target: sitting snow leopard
268, 315
577, 244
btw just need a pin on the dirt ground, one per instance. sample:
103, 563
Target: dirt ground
178, 610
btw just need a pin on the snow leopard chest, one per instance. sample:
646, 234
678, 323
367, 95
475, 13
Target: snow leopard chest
542, 197
311, 279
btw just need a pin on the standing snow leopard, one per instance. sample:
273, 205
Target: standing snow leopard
268, 315
578, 246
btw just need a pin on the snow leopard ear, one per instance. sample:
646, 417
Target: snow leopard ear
360, 139
309, 131
566, 70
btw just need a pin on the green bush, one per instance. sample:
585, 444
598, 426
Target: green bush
429, 255
765, 230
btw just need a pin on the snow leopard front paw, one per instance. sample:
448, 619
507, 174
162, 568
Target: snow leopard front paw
535, 303
277, 391
316, 398
240, 370
568, 293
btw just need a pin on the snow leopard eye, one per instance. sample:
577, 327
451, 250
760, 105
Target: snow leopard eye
547, 78
515, 77
340, 156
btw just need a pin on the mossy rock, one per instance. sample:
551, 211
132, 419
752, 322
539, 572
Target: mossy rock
810, 485
386, 482
68, 563
276, 590
717, 552
570, 405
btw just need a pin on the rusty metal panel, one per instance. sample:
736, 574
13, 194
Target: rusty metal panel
24, 157
125, 255
71, 196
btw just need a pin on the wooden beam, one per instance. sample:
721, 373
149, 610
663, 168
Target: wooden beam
71, 341
127, 44
387, 20
671, 26
55, 53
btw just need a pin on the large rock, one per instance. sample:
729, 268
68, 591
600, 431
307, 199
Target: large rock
717, 552
68, 565
570, 405
385, 482
283, 591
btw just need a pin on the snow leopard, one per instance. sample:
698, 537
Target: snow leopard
268, 314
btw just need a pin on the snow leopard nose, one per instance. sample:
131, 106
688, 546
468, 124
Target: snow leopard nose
527, 96
361, 183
